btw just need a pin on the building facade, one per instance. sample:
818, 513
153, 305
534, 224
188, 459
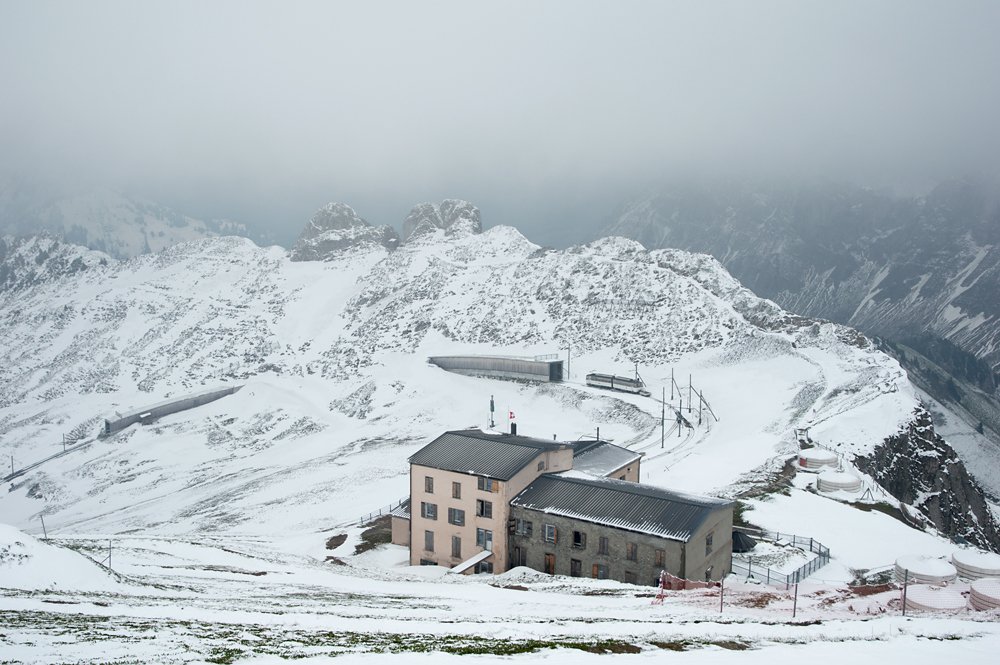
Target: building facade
461, 486
610, 529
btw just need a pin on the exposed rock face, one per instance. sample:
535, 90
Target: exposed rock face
920, 469
336, 227
453, 216
28, 261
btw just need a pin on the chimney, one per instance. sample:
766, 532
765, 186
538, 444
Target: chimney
513, 429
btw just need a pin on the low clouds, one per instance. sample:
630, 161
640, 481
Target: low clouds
271, 109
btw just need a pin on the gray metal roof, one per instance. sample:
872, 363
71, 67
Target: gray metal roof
599, 458
498, 456
620, 504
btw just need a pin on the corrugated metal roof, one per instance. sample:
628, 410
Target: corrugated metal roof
497, 456
601, 458
620, 504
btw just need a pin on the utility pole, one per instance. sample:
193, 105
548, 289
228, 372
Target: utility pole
672, 384
568, 375
701, 400
689, 393
663, 417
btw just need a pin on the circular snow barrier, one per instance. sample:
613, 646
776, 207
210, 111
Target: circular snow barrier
816, 458
927, 598
973, 565
838, 481
985, 594
925, 570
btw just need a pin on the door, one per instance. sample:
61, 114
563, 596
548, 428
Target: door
550, 563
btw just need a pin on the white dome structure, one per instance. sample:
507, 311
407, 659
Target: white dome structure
926, 598
974, 565
817, 458
838, 481
985, 594
924, 570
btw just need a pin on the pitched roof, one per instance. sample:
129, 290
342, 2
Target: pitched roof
620, 504
497, 456
599, 458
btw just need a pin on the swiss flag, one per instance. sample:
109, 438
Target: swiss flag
510, 415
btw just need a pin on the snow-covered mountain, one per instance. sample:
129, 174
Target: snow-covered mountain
102, 219
338, 393
922, 272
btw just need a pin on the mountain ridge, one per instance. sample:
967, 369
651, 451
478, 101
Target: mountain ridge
338, 345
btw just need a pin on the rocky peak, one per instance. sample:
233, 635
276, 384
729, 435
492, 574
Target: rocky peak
336, 227
453, 216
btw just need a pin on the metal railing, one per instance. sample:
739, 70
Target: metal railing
768, 576
381, 512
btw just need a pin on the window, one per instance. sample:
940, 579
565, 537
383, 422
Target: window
522, 527
429, 541
428, 510
575, 567
428, 562
579, 540
456, 516
484, 567
541, 465
708, 544
456, 490
488, 484
429, 484
456, 547
484, 508
599, 571
484, 539
551, 535
708, 574
629, 577
631, 551
661, 558
550, 563
602, 546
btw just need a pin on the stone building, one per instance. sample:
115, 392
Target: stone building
612, 529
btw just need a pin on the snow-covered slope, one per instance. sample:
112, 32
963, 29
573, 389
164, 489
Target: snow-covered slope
338, 394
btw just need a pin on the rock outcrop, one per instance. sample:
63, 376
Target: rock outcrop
919, 468
28, 261
453, 216
336, 227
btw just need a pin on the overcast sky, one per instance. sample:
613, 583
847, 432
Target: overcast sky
539, 112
